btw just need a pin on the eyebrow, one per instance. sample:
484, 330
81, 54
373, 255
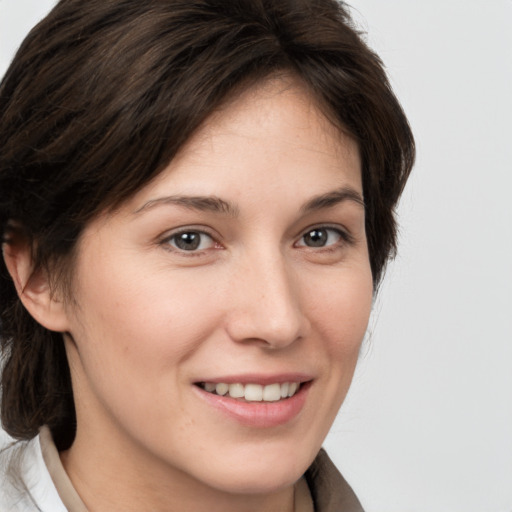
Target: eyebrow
211, 204
333, 198
215, 204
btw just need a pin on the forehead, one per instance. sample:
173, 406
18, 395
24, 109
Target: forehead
281, 111
271, 135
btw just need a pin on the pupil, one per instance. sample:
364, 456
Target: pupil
188, 241
316, 238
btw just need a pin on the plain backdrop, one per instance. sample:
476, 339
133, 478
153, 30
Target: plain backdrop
427, 425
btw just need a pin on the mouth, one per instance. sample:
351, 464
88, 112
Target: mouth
252, 392
257, 402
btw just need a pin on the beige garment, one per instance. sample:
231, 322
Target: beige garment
67, 492
72, 501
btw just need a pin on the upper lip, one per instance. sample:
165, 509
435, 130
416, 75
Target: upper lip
258, 378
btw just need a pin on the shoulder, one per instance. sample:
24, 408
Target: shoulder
25, 484
15, 493
329, 490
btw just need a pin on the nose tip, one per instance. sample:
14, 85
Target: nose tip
267, 308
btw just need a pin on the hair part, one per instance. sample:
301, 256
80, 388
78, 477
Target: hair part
102, 95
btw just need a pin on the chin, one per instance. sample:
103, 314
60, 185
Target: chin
262, 471
246, 480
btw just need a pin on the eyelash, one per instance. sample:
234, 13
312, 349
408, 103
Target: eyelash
166, 242
344, 238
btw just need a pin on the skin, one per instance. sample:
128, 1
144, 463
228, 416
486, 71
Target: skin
150, 319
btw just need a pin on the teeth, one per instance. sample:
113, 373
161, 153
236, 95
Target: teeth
272, 393
292, 389
236, 391
254, 392
221, 388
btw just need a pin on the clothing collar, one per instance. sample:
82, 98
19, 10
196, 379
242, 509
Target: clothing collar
61, 481
329, 490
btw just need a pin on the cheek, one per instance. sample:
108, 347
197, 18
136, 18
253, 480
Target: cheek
135, 336
341, 313
339, 307
130, 323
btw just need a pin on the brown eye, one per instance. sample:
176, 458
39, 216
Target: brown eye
320, 237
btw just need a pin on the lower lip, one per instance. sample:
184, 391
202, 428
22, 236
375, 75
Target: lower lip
259, 414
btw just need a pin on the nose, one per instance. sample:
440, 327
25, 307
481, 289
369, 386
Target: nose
266, 305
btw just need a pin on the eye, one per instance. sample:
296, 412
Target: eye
190, 241
320, 237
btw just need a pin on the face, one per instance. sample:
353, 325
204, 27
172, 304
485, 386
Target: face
238, 277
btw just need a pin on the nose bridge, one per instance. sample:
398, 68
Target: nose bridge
267, 301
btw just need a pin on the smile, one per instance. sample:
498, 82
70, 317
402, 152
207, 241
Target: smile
253, 392
263, 404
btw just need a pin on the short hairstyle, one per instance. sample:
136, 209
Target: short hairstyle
100, 97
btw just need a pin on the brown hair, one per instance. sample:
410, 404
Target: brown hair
103, 93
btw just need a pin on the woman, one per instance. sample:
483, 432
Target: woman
197, 206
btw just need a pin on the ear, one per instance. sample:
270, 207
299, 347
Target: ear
33, 286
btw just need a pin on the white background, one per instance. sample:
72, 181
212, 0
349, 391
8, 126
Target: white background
427, 426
